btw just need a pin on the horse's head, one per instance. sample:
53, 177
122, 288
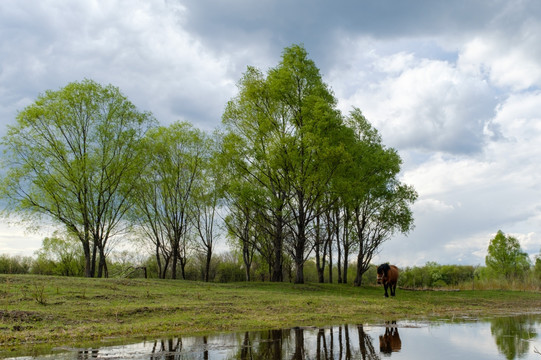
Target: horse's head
383, 269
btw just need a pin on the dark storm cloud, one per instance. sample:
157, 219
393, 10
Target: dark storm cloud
318, 23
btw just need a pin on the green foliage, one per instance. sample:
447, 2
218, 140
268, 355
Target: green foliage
73, 156
165, 192
60, 254
505, 257
371, 191
291, 156
229, 272
283, 144
434, 275
15, 264
537, 268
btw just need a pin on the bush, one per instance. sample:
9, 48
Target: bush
15, 264
229, 272
434, 275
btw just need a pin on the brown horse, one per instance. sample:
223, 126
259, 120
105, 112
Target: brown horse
388, 276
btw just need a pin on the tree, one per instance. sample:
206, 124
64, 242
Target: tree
253, 148
241, 223
164, 198
537, 266
313, 147
379, 203
208, 201
73, 157
64, 251
505, 257
284, 127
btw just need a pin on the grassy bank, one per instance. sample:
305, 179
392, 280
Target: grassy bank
59, 310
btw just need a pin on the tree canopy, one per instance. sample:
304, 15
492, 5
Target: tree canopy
73, 156
294, 156
289, 175
505, 257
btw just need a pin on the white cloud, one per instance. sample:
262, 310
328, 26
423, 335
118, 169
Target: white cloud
140, 47
441, 173
420, 103
427, 206
510, 59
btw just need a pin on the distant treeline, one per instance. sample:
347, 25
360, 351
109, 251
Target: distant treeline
228, 267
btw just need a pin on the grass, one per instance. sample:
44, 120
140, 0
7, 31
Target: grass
41, 311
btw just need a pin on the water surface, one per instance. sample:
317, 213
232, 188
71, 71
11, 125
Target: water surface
514, 337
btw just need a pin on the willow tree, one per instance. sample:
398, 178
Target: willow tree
313, 144
284, 130
253, 151
164, 197
379, 203
73, 157
208, 202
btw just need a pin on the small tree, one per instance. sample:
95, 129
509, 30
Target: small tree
64, 253
505, 257
537, 268
164, 196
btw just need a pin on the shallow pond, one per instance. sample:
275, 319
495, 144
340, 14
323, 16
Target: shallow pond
514, 337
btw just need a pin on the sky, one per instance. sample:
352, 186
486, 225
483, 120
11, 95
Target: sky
454, 86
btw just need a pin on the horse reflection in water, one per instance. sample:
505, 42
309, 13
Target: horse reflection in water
390, 341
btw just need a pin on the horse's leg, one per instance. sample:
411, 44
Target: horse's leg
385, 286
393, 289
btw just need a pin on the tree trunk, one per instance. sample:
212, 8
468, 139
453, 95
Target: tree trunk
359, 277
247, 261
247, 256
346, 255
320, 261
165, 266
345, 240
299, 259
299, 274
102, 267
93, 262
159, 261
207, 265
329, 244
174, 261
183, 262
86, 249
277, 273
338, 247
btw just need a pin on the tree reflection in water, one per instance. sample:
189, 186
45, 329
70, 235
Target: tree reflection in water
513, 334
334, 343
514, 337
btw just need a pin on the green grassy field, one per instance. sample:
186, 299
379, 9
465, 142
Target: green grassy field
59, 311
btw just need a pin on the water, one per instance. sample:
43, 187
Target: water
516, 337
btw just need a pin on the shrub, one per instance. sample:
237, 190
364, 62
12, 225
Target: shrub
15, 264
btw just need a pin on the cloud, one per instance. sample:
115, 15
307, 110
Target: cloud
465, 199
509, 58
140, 47
423, 104
453, 86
